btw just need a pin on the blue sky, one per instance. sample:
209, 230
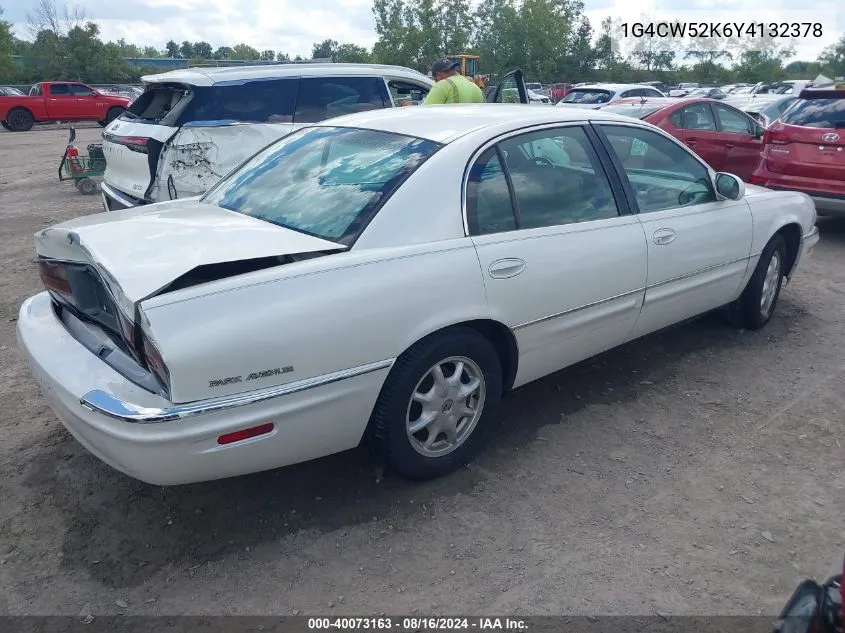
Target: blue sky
293, 25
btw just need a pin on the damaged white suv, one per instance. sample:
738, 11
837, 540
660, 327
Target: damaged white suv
191, 127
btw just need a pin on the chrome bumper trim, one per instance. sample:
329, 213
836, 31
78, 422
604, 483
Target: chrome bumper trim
107, 404
116, 195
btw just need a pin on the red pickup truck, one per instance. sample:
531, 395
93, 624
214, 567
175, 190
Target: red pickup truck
59, 101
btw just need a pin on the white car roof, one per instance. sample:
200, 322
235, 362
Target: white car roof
445, 123
215, 75
613, 87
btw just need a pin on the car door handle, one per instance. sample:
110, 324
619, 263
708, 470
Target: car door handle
729, 145
664, 236
690, 143
506, 268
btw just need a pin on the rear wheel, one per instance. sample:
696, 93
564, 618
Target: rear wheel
436, 404
111, 115
19, 120
757, 302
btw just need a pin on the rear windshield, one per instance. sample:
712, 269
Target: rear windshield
635, 110
588, 95
323, 181
818, 113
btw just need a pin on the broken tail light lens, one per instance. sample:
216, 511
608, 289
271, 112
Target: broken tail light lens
134, 143
155, 363
55, 277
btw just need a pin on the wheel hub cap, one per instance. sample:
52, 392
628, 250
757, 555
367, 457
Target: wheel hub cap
445, 406
770, 285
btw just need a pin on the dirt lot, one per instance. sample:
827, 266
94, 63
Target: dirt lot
697, 471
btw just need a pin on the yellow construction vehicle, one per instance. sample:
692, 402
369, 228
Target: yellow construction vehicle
468, 65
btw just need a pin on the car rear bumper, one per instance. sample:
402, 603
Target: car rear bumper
123, 424
115, 200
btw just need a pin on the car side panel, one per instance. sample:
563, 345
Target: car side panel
197, 157
35, 105
318, 316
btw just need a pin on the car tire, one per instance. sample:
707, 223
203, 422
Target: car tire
19, 120
5, 126
456, 437
757, 303
111, 115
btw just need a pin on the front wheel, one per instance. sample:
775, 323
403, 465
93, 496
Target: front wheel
111, 115
436, 404
757, 302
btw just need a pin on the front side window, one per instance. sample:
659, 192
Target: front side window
697, 116
326, 97
59, 90
663, 174
324, 181
557, 178
405, 93
733, 121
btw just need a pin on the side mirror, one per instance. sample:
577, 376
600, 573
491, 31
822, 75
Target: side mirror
759, 130
729, 186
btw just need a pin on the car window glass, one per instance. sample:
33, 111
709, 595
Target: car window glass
323, 181
663, 174
406, 93
557, 178
489, 208
59, 90
265, 101
732, 121
818, 113
81, 90
326, 97
694, 117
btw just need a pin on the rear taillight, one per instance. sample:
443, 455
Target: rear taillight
134, 143
54, 277
774, 137
155, 363
757, 180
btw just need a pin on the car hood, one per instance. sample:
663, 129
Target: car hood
142, 251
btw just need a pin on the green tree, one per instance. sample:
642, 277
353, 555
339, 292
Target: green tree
151, 51
8, 72
224, 52
172, 49
186, 50
245, 51
352, 53
832, 59
203, 50
269, 55
282, 57
324, 50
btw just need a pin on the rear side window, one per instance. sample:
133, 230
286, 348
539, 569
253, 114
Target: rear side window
588, 96
264, 101
326, 97
819, 113
694, 117
489, 208
732, 120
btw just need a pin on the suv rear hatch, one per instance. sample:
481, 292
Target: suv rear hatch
808, 142
132, 143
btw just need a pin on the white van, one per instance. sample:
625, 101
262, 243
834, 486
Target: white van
191, 127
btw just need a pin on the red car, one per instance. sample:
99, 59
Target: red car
59, 101
804, 150
726, 138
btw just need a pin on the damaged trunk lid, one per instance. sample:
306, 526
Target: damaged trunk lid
139, 253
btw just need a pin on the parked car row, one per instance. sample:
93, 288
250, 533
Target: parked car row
793, 143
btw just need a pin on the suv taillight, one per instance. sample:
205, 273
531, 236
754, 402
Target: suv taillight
134, 143
155, 363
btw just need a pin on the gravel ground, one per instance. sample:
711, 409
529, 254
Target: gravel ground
696, 471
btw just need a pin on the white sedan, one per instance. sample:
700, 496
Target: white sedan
386, 277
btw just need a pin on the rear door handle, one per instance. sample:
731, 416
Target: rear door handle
506, 268
663, 236
729, 145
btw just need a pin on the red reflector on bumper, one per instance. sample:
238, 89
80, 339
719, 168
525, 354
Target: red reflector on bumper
238, 436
